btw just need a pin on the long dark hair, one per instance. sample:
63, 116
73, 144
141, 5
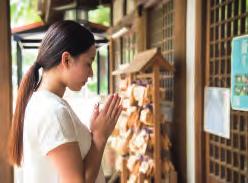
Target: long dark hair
61, 36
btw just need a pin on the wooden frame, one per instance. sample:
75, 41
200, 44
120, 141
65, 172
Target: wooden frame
6, 172
226, 159
150, 62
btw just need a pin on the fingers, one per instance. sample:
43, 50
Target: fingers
106, 106
95, 112
114, 103
118, 113
115, 108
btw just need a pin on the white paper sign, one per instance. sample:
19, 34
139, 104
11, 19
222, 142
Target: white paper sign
217, 111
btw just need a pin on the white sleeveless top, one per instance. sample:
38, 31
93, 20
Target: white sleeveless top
49, 122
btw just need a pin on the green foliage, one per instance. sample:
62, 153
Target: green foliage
100, 15
23, 12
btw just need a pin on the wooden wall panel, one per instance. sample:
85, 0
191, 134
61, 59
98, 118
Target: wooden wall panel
226, 159
6, 174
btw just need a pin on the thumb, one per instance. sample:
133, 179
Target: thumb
95, 112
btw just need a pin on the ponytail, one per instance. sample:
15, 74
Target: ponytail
28, 85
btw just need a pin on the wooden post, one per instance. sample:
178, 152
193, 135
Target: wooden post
178, 128
124, 173
156, 119
111, 65
98, 73
200, 150
6, 172
19, 63
141, 178
140, 29
206, 83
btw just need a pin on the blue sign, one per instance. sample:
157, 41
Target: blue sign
239, 73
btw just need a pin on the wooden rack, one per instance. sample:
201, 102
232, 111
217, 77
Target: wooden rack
148, 65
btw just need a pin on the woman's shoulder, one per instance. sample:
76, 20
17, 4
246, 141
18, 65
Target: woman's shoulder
45, 110
47, 99
44, 104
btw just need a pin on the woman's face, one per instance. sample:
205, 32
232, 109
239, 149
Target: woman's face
80, 69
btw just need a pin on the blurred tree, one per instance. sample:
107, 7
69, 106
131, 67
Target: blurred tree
23, 12
100, 15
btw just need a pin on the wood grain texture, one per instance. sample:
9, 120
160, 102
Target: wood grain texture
179, 123
199, 92
6, 174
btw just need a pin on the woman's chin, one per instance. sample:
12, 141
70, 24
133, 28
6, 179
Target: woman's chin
76, 88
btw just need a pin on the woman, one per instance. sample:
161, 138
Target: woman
46, 138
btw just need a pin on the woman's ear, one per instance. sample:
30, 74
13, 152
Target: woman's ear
65, 59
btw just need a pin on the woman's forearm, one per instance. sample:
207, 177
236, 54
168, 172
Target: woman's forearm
92, 161
103, 123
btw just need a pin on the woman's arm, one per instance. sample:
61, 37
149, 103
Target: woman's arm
67, 157
103, 123
68, 162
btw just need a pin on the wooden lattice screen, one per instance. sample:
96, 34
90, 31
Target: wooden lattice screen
227, 159
124, 51
163, 37
128, 49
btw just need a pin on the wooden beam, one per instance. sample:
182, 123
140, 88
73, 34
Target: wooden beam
206, 83
140, 29
200, 173
126, 21
6, 172
19, 63
148, 3
157, 123
27, 27
124, 174
179, 124
111, 65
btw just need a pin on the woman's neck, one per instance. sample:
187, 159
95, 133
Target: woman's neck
51, 82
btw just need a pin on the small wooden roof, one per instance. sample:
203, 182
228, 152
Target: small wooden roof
145, 61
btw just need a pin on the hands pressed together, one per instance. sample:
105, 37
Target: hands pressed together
103, 121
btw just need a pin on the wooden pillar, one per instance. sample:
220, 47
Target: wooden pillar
157, 121
6, 172
141, 178
19, 62
200, 167
111, 65
124, 173
140, 29
98, 72
179, 152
